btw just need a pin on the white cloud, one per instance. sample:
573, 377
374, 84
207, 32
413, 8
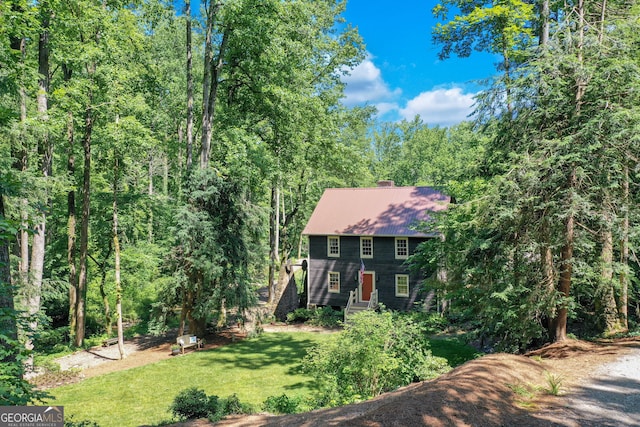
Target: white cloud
442, 107
439, 106
364, 84
385, 107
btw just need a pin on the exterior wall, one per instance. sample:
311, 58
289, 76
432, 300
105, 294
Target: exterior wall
383, 264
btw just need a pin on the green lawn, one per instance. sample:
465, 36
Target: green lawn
253, 369
453, 350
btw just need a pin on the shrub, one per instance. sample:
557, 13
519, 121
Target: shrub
376, 353
192, 403
232, 405
282, 404
299, 315
325, 316
432, 322
52, 340
70, 422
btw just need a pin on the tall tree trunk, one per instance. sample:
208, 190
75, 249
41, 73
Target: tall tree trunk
103, 293
608, 300
566, 256
71, 217
544, 25
548, 271
213, 70
205, 137
21, 156
84, 225
116, 247
45, 152
274, 240
566, 268
187, 12
623, 303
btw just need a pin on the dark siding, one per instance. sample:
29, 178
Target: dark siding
383, 264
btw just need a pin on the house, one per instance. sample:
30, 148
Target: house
359, 242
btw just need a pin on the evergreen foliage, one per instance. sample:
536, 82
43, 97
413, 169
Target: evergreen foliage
546, 238
215, 235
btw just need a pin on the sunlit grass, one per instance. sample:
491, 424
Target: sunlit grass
253, 369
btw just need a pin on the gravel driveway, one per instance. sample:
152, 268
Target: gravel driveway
608, 397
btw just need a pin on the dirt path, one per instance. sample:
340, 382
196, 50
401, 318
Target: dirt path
607, 396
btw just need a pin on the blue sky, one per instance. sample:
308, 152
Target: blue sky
402, 75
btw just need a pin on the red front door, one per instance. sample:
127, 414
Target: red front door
367, 286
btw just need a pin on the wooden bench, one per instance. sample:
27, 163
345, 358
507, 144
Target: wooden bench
110, 341
186, 341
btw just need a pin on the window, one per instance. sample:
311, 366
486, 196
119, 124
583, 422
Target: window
366, 247
402, 248
334, 282
402, 285
333, 246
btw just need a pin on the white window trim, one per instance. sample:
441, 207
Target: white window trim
398, 294
333, 273
362, 255
329, 254
405, 239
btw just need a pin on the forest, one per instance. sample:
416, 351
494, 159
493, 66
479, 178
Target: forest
159, 161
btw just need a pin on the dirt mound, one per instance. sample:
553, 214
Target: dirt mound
480, 392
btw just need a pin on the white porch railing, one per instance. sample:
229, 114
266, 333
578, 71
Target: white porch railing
353, 299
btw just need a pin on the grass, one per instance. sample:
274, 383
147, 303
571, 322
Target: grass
525, 394
554, 382
453, 350
253, 369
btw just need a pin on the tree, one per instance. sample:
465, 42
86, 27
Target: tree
502, 27
214, 233
14, 389
538, 247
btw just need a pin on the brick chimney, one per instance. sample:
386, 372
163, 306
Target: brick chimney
386, 183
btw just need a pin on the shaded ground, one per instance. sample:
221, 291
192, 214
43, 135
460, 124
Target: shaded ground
599, 383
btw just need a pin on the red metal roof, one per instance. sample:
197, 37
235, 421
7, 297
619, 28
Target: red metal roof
380, 211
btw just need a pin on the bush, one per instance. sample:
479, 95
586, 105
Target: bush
82, 423
282, 404
432, 322
193, 403
376, 353
299, 315
232, 405
325, 316
52, 340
